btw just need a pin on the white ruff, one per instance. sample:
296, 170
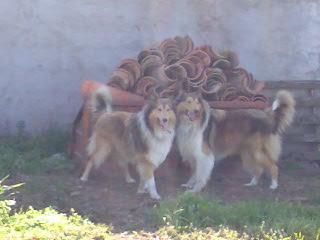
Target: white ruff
190, 144
189, 140
159, 143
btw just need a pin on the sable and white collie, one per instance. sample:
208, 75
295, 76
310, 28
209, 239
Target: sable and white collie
193, 114
143, 139
205, 135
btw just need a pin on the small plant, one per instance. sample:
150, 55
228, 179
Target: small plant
33, 154
5, 199
43, 224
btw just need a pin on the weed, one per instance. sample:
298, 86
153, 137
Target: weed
44, 224
32, 154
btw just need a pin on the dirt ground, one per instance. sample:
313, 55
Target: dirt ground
106, 198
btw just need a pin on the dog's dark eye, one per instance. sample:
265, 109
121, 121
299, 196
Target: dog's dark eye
188, 101
168, 109
159, 109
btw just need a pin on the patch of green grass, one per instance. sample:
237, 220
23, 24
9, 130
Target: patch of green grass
257, 218
33, 154
314, 198
44, 224
50, 224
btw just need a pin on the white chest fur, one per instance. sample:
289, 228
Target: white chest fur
159, 144
189, 141
159, 149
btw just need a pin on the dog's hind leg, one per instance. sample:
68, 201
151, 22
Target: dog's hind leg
97, 158
251, 164
274, 176
125, 167
273, 170
147, 182
87, 170
204, 166
255, 179
272, 150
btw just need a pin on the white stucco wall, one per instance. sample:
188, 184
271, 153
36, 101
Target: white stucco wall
48, 46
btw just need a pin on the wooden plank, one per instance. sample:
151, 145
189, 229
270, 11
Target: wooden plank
304, 138
299, 84
306, 119
308, 102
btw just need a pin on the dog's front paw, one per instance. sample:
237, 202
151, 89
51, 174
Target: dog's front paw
155, 196
274, 185
130, 180
141, 191
252, 183
192, 190
83, 179
186, 185
190, 183
195, 189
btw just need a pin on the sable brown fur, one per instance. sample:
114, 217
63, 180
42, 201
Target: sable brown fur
193, 115
254, 135
142, 139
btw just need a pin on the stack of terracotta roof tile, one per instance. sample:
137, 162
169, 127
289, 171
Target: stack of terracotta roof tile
175, 63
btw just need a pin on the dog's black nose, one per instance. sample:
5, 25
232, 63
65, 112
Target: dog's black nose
165, 120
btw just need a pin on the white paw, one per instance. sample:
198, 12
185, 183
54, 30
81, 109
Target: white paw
196, 188
84, 179
254, 182
192, 190
250, 184
155, 196
141, 191
274, 185
130, 180
186, 185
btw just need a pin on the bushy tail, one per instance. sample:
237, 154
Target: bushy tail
101, 100
283, 108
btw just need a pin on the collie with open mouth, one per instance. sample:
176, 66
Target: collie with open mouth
143, 139
205, 135
193, 114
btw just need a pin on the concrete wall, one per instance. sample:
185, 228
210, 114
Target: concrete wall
48, 46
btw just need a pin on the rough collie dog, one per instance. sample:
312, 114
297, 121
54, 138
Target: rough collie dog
143, 139
193, 114
254, 135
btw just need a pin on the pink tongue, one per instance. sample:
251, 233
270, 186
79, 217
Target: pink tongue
192, 116
165, 126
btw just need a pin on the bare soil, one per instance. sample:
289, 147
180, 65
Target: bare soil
106, 198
